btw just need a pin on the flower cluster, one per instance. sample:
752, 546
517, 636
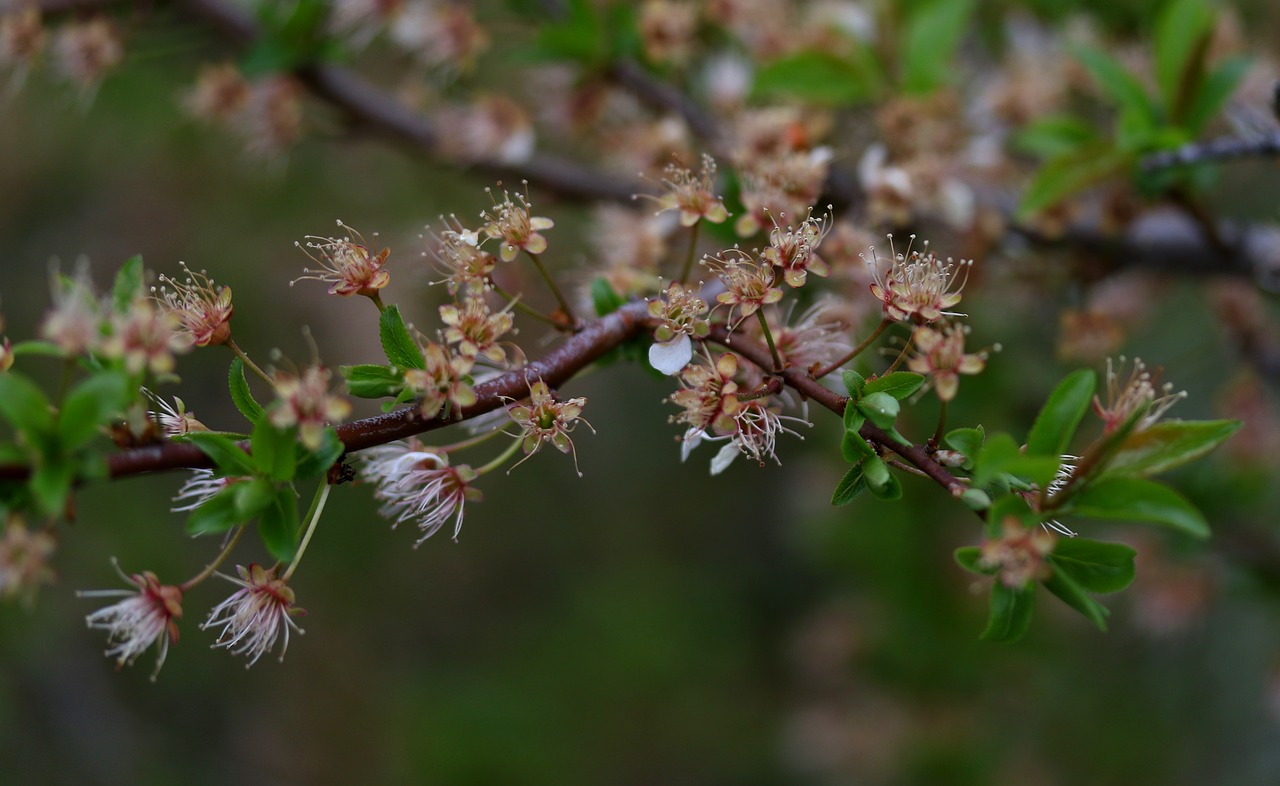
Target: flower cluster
918, 286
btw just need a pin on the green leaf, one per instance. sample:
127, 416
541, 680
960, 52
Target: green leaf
1071, 593
36, 349
217, 514
241, 396
1057, 135
580, 36
226, 453
128, 285
252, 497
966, 440
1001, 455
1214, 91
1012, 506
1118, 84
880, 408
1010, 613
1169, 444
1137, 499
605, 298
1067, 175
278, 525
849, 487
882, 483
314, 463
1182, 34
854, 448
274, 451
90, 404
1061, 414
401, 350
818, 77
51, 483
1096, 566
853, 419
370, 380
976, 499
853, 382
968, 558
899, 384
24, 405
929, 43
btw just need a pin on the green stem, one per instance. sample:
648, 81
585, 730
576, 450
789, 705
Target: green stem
524, 307
235, 348
217, 561
693, 248
313, 516
376, 297
555, 290
502, 458
884, 324
768, 339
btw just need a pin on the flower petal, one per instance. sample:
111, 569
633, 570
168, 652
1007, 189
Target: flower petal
670, 357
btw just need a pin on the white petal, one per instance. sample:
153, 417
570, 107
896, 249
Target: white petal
670, 357
724, 458
692, 439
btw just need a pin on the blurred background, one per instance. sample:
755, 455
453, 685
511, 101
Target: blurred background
644, 624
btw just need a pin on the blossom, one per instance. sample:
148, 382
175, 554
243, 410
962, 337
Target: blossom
75, 321
940, 354
794, 250
443, 380
475, 328
757, 429
146, 338
84, 51
668, 30
544, 419
198, 489
148, 615
255, 615
784, 182
457, 254
349, 265
303, 400
749, 285
693, 195
174, 419
709, 396
1019, 555
918, 286
203, 309
24, 559
818, 338
417, 484
220, 93
1137, 392
516, 226
21, 36
681, 317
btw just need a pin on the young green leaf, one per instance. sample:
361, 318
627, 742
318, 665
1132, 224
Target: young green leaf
966, 440
51, 483
968, 557
880, 408
241, 396
929, 43
226, 453
819, 77
849, 487
899, 384
604, 298
1096, 566
1000, 455
369, 380
1169, 444
128, 285
1066, 175
89, 405
314, 463
217, 514
854, 383
854, 448
1119, 85
1137, 499
400, 348
1071, 593
1061, 414
1010, 613
278, 524
252, 497
1056, 135
1182, 34
274, 451
853, 419
882, 483
1214, 91
24, 405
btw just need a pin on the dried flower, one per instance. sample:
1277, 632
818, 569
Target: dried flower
693, 195
475, 328
1137, 392
24, 559
148, 615
918, 286
146, 338
255, 615
347, 264
544, 419
417, 484
203, 309
516, 226
940, 354
1019, 555
303, 400
443, 381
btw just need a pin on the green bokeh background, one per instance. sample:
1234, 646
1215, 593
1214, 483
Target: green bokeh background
645, 624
